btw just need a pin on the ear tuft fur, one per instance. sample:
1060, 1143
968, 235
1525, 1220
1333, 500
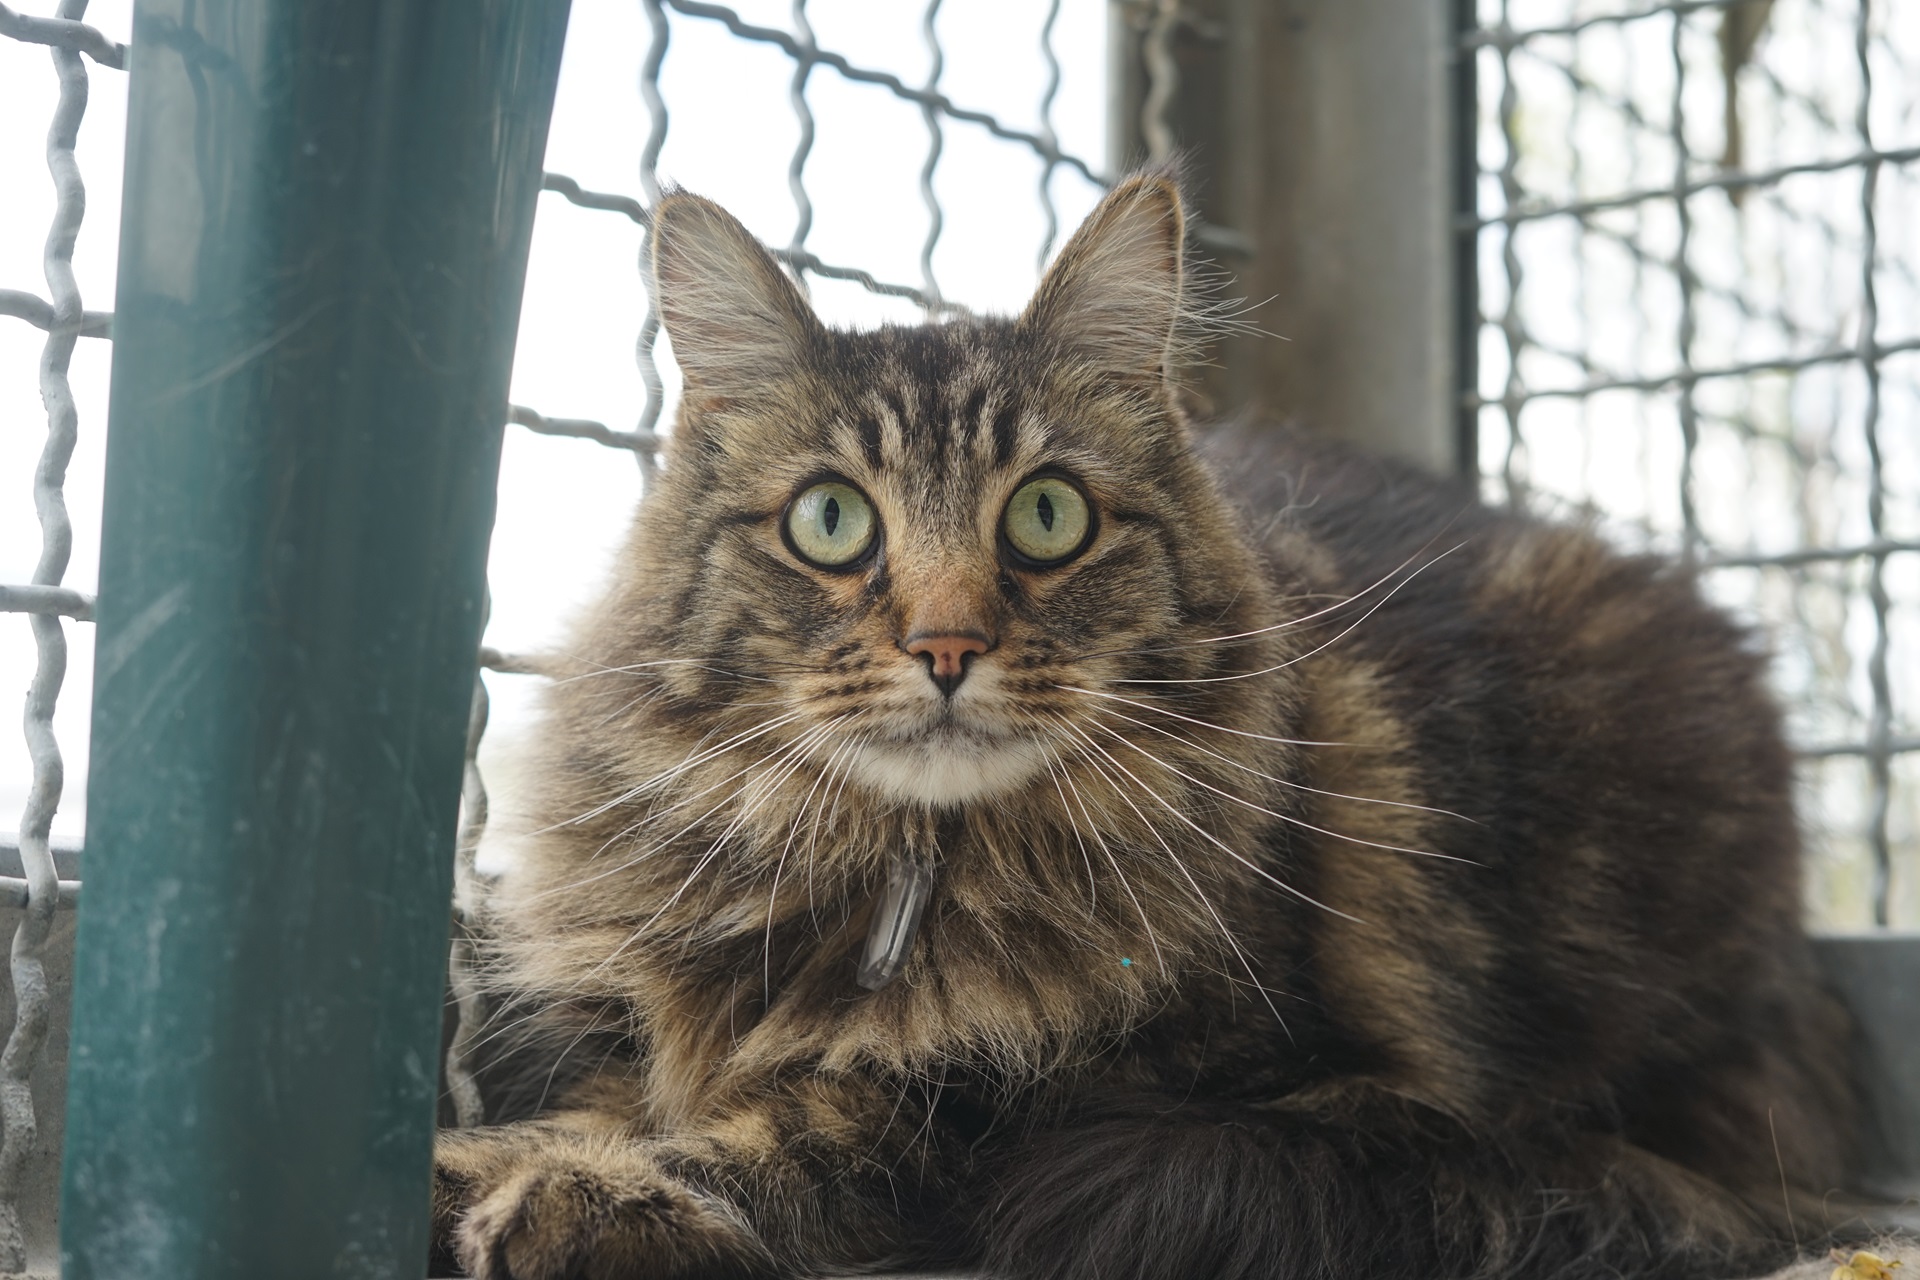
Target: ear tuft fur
733, 315
1115, 292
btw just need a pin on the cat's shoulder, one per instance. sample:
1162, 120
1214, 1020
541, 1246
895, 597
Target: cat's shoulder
1343, 521
1280, 472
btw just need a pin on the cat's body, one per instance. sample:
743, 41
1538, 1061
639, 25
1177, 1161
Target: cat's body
1340, 876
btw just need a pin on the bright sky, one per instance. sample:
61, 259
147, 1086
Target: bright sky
564, 504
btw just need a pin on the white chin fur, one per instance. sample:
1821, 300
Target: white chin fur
947, 768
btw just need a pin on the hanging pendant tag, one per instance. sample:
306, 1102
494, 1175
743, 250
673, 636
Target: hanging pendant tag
895, 921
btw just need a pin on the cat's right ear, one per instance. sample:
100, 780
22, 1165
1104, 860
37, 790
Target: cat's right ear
732, 313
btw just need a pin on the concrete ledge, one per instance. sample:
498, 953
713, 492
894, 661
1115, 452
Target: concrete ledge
1878, 976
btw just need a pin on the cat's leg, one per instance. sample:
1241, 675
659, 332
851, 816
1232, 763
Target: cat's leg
1181, 1191
818, 1172
579, 1198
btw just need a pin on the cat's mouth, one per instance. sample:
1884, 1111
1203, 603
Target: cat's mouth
947, 762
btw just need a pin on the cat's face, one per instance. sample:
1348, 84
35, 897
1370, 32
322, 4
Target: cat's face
934, 563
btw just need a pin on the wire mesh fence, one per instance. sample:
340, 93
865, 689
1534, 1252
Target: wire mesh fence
38, 889
1699, 274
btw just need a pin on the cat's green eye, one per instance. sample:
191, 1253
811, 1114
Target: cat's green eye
830, 524
1048, 520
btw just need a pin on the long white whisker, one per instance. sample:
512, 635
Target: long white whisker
779, 767
1289, 623
858, 745
1181, 866
1207, 835
659, 779
1093, 828
1337, 637
1207, 724
1271, 813
1369, 588
773, 893
1285, 782
636, 668
1053, 774
790, 757
699, 754
646, 851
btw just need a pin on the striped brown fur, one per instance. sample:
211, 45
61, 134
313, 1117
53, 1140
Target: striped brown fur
1331, 874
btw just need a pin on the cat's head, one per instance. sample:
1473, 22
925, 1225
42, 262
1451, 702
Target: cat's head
935, 562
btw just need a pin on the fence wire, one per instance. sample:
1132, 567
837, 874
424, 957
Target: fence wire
1698, 233
38, 891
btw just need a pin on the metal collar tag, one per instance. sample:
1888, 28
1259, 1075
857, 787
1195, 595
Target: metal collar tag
895, 921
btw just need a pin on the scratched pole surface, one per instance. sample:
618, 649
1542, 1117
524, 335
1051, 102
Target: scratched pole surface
328, 211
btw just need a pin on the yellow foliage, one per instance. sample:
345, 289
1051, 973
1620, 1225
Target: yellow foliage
1863, 1266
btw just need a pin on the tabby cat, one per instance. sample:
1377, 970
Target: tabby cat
992, 822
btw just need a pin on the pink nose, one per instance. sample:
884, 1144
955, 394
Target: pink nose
946, 655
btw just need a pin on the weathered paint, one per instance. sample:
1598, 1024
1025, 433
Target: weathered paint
328, 210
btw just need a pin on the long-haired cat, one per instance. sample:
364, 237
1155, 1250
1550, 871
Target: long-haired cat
990, 822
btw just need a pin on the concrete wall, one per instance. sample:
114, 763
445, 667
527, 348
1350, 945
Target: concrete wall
1320, 131
40, 1178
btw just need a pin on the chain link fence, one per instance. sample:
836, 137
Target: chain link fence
38, 891
1698, 230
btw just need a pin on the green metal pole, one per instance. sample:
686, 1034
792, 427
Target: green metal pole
328, 210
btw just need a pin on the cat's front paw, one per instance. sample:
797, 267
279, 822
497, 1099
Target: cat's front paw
560, 1223
521, 1205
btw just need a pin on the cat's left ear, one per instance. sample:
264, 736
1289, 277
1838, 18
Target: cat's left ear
1114, 293
733, 315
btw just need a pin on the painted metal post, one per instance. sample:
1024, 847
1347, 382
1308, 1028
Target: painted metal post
328, 211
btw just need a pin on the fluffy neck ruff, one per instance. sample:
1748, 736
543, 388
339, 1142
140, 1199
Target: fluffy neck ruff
715, 902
